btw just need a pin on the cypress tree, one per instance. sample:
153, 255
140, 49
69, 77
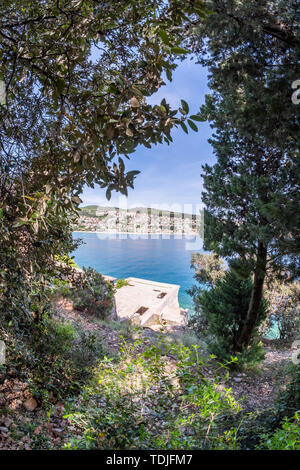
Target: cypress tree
252, 192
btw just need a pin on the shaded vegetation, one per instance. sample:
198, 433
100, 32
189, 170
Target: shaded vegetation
221, 316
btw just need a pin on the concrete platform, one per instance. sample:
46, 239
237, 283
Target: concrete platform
147, 303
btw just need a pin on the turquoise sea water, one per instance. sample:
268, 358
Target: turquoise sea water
163, 258
158, 259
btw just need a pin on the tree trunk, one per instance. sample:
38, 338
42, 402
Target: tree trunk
255, 300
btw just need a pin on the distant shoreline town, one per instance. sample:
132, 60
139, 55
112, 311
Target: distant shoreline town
137, 220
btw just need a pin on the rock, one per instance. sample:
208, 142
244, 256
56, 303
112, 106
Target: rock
113, 315
3, 429
136, 319
237, 379
60, 406
149, 319
8, 421
38, 430
30, 404
174, 316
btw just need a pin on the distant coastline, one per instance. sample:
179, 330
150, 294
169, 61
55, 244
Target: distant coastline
138, 233
138, 221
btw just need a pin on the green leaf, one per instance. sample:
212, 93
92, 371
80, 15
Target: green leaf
137, 91
76, 199
179, 50
20, 222
132, 174
184, 127
121, 165
197, 117
113, 89
60, 85
164, 37
192, 125
169, 74
185, 106
108, 194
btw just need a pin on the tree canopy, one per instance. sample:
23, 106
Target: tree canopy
252, 192
77, 76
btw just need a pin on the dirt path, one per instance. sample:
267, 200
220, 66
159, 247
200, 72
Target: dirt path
259, 388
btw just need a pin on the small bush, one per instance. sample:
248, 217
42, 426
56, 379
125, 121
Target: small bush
56, 359
222, 310
64, 357
284, 301
287, 437
59, 287
93, 294
288, 402
137, 402
121, 283
67, 260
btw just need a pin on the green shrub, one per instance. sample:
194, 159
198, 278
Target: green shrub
67, 260
121, 283
93, 294
53, 338
64, 357
137, 402
59, 287
221, 312
287, 437
56, 359
288, 401
284, 301
209, 267
268, 421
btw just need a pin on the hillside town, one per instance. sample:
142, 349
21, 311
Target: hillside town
137, 221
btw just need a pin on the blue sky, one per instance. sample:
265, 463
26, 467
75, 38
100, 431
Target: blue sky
170, 175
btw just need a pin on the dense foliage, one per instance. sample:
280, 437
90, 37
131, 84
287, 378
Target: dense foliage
137, 402
252, 192
221, 312
77, 76
51, 354
289, 400
94, 295
287, 437
284, 301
